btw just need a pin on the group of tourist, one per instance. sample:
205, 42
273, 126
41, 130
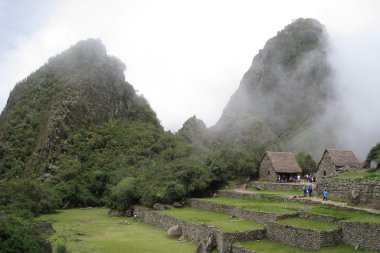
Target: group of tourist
308, 192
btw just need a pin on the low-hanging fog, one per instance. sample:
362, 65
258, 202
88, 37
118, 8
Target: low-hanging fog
356, 66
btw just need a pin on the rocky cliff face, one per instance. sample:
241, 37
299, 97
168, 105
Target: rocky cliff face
74, 89
286, 92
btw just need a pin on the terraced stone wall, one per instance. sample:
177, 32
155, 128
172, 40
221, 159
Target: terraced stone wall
234, 211
367, 191
238, 249
319, 217
268, 186
364, 235
301, 237
197, 232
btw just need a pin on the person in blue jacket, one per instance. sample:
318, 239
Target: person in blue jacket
310, 189
325, 195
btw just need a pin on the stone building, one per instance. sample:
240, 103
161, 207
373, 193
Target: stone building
334, 161
275, 164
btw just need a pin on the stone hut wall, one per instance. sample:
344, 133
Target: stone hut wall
265, 168
197, 232
301, 237
325, 166
364, 235
368, 191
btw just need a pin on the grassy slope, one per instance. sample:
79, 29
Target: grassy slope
266, 246
222, 221
305, 223
268, 206
103, 234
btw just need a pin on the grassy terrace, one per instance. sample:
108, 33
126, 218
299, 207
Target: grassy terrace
279, 207
293, 192
222, 221
268, 206
92, 230
346, 215
305, 223
352, 175
266, 246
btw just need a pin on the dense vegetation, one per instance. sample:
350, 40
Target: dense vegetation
374, 154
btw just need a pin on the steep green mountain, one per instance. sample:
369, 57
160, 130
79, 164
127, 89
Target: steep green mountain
283, 97
77, 88
78, 134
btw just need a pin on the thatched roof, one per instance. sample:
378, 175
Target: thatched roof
343, 158
283, 162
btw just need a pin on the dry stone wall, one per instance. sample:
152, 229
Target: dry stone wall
197, 232
359, 191
363, 235
238, 249
234, 211
268, 186
301, 237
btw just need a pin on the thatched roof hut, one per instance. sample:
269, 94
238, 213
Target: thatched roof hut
275, 164
334, 161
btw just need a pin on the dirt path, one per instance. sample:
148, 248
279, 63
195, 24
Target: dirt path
319, 200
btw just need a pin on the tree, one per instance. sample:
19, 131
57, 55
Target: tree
306, 162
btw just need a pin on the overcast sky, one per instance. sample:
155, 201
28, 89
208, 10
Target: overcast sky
187, 57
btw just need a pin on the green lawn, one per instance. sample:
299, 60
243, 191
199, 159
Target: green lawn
268, 206
266, 246
222, 221
346, 215
92, 230
305, 223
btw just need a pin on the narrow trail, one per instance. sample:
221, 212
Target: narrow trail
319, 200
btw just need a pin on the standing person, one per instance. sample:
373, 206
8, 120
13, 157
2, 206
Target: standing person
310, 189
325, 195
135, 217
304, 188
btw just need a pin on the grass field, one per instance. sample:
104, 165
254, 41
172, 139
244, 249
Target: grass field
92, 230
266, 246
222, 221
268, 206
305, 223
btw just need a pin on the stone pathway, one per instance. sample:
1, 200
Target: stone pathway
319, 200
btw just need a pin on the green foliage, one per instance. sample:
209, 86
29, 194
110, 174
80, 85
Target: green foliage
28, 195
306, 162
374, 154
228, 163
19, 235
61, 248
123, 195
